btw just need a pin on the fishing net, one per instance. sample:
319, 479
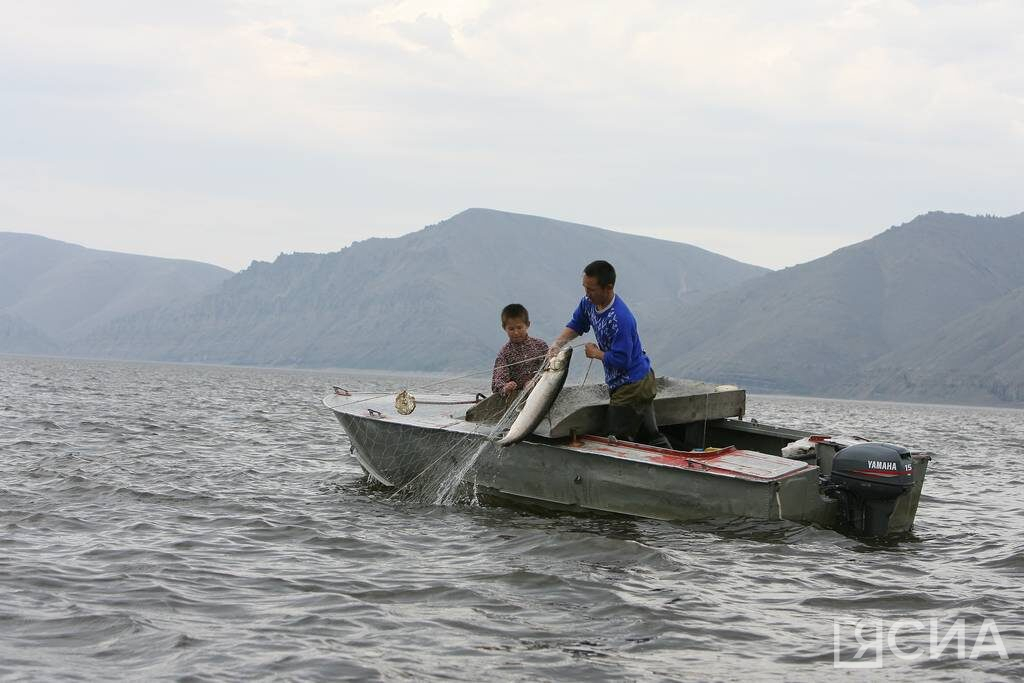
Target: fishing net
433, 465
442, 480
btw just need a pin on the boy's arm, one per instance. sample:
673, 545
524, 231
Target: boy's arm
538, 349
501, 375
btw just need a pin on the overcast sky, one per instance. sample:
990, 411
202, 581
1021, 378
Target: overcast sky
771, 132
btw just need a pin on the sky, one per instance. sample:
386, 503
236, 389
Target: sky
771, 132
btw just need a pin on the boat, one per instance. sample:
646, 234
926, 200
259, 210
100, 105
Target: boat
720, 464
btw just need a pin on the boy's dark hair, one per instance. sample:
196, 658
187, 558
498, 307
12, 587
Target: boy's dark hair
514, 311
603, 271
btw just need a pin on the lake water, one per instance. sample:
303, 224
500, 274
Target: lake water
208, 523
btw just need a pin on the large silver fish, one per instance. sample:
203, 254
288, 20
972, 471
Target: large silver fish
538, 403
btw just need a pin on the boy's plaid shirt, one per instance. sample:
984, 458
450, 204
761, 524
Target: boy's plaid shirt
509, 368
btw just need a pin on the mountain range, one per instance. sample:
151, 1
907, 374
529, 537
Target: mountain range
931, 310
927, 310
54, 293
429, 300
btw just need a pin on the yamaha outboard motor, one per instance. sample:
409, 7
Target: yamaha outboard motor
866, 479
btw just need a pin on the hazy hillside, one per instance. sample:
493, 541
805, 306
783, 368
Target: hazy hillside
931, 310
17, 336
977, 357
815, 328
428, 300
53, 293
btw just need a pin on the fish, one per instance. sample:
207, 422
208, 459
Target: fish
542, 396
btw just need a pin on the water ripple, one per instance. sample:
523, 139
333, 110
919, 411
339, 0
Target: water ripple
206, 523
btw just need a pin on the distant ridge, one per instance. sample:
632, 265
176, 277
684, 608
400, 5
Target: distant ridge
928, 301
18, 336
53, 293
428, 300
930, 310
976, 358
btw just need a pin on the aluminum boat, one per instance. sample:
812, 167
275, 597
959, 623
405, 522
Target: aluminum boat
720, 465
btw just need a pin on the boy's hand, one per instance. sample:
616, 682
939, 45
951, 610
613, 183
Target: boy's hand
594, 351
509, 388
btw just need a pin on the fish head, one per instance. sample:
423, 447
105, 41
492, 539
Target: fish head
561, 360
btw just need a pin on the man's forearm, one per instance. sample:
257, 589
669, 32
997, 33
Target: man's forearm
567, 335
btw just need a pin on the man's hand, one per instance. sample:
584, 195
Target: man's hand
509, 388
567, 335
593, 351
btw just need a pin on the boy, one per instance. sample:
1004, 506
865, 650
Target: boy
511, 373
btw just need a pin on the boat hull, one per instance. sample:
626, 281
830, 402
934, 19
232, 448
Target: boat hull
553, 474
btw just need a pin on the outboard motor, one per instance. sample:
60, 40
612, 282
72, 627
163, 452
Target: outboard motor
866, 479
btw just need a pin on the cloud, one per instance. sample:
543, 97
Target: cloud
431, 33
796, 117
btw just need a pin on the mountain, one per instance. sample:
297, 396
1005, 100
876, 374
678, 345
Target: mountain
53, 293
931, 310
978, 358
933, 299
18, 336
429, 300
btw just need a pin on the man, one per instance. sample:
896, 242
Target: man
627, 369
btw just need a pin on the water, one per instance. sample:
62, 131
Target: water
207, 523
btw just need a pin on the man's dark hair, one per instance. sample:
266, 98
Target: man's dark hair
603, 271
517, 311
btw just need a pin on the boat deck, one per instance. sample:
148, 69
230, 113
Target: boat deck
729, 461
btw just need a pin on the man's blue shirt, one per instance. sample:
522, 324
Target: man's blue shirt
615, 328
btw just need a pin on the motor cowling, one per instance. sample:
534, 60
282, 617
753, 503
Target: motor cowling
874, 471
867, 478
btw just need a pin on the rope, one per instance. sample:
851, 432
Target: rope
447, 403
484, 372
704, 436
589, 365
371, 395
